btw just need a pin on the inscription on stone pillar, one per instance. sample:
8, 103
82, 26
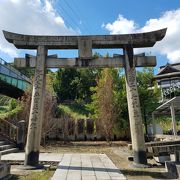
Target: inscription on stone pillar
135, 116
36, 112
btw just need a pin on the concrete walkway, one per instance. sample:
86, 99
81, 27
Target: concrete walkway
87, 167
43, 157
77, 166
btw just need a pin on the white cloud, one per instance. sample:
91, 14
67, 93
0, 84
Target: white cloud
121, 26
29, 17
15, 1
169, 46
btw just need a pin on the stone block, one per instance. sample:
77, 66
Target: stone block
171, 169
85, 48
4, 170
162, 159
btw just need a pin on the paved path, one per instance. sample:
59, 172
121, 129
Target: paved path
76, 166
45, 157
87, 167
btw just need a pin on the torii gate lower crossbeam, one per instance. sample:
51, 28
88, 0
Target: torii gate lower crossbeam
85, 44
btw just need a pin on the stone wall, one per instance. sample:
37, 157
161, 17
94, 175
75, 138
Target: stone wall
77, 130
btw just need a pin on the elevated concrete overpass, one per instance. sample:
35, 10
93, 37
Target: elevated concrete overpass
12, 82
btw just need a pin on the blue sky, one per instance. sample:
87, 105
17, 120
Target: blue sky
96, 12
69, 17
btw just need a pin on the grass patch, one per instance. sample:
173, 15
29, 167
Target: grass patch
34, 175
4, 109
12, 113
75, 110
166, 123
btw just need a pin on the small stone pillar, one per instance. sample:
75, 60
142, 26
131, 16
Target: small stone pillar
21, 135
135, 117
153, 124
173, 119
36, 112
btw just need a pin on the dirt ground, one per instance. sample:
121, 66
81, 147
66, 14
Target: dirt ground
118, 152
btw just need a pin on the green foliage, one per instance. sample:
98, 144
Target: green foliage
74, 110
72, 84
9, 107
13, 104
50, 78
4, 100
3, 109
28, 72
103, 105
11, 114
148, 97
96, 55
65, 84
119, 101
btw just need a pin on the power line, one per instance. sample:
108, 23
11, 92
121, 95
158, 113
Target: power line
87, 27
77, 15
67, 16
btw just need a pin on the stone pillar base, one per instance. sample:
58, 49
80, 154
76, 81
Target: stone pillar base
140, 157
32, 159
4, 170
24, 167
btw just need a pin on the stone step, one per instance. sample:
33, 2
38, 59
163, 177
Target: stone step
7, 146
3, 142
8, 151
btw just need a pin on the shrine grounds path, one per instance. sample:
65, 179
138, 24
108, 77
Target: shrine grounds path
118, 152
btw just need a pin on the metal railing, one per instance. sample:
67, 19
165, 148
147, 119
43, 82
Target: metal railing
7, 69
21, 84
12, 76
8, 130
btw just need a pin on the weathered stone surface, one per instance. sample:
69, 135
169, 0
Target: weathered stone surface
36, 112
4, 170
159, 144
171, 169
135, 117
87, 166
98, 41
140, 61
85, 48
21, 135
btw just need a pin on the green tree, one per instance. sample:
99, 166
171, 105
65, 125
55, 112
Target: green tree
65, 84
121, 127
148, 97
103, 104
74, 84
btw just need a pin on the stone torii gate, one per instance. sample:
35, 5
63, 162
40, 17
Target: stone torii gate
84, 44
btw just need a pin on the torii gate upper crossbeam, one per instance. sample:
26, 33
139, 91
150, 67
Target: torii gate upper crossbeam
96, 41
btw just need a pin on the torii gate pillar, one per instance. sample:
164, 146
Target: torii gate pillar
135, 117
36, 112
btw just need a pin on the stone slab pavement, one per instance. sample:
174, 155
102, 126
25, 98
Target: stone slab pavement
87, 167
76, 166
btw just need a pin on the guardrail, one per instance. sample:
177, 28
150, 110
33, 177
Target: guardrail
8, 130
21, 84
10, 71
